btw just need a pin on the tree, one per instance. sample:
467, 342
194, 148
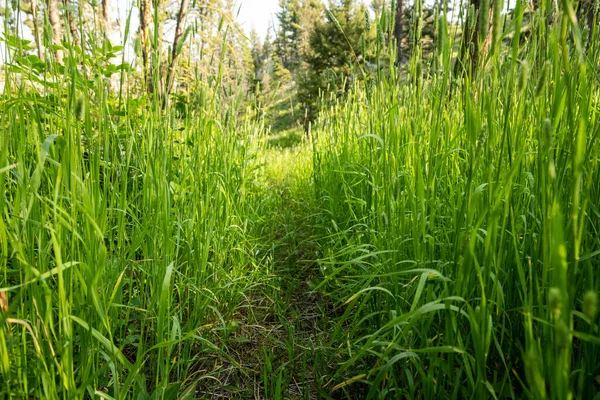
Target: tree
69, 5
337, 54
267, 51
297, 21
177, 43
54, 18
104, 18
145, 44
311, 14
211, 44
257, 60
288, 33
398, 29
476, 37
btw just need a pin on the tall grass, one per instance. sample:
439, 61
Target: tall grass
435, 236
124, 232
461, 222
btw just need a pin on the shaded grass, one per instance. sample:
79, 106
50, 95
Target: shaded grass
286, 139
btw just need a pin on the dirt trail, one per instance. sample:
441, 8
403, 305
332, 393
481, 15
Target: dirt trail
279, 348
298, 356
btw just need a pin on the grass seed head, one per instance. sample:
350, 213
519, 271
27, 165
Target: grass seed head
554, 301
380, 37
543, 78
137, 47
552, 170
80, 107
590, 304
523, 76
418, 69
482, 138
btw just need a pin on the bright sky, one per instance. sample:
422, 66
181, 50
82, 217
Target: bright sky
258, 14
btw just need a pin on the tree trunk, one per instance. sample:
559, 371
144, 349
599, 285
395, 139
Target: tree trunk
145, 21
105, 19
473, 47
54, 18
183, 9
72, 22
398, 29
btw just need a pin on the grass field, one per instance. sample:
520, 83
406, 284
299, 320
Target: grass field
432, 236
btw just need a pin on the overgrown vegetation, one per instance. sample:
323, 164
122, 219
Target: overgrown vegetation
184, 222
462, 220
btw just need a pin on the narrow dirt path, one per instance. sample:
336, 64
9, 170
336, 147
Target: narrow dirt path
279, 347
297, 364
301, 312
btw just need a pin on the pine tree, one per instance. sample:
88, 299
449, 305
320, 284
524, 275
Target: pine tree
311, 14
288, 33
267, 55
256, 54
335, 60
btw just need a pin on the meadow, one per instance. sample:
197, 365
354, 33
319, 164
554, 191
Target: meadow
433, 234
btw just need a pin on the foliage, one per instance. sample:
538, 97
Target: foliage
340, 49
433, 234
460, 224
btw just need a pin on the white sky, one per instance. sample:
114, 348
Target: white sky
258, 14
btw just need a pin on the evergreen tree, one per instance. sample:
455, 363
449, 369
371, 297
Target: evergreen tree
311, 14
256, 53
288, 33
339, 49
